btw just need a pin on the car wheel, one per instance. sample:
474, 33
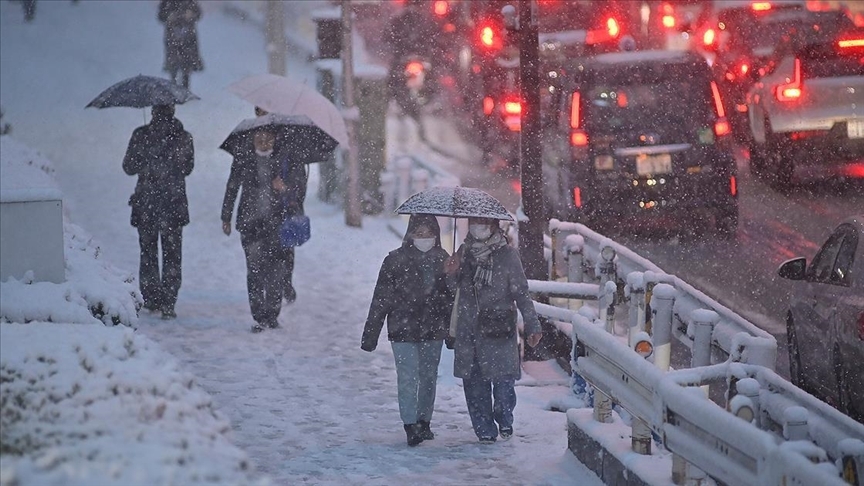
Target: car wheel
796, 375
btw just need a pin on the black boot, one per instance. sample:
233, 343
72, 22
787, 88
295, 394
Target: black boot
413, 433
425, 431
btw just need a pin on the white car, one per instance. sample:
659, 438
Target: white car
825, 322
806, 112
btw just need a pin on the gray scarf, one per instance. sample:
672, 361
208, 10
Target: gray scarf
482, 253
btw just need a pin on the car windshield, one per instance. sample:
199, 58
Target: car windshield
671, 108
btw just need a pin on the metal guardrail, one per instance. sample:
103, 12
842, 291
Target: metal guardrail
768, 432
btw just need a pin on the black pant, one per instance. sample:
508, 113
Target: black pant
159, 289
288, 258
265, 268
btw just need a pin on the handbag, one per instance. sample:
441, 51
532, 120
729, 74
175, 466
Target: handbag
295, 231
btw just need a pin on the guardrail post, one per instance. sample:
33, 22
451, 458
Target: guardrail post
607, 305
559, 249
749, 387
388, 189
703, 322
602, 407
662, 303
795, 424
852, 460
403, 176
419, 180
575, 259
636, 288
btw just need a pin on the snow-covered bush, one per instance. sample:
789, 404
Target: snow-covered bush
90, 404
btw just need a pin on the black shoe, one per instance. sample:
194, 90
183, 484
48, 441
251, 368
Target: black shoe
290, 294
151, 306
506, 432
487, 440
168, 313
412, 431
425, 432
256, 328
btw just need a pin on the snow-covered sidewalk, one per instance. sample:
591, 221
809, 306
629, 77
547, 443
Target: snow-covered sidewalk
304, 402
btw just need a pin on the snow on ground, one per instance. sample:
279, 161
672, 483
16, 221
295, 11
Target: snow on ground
304, 402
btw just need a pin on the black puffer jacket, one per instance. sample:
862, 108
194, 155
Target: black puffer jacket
161, 154
181, 34
411, 293
252, 222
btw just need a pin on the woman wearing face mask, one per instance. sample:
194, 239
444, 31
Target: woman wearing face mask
412, 295
259, 215
491, 286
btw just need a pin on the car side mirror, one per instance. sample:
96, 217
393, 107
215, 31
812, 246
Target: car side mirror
794, 269
511, 18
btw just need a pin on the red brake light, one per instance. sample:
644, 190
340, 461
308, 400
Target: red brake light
845, 44
575, 110
414, 68
441, 7
668, 21
513, 107
577, 197
578, 138
761, 6
721, 126
612, 27
792, 90
488, 105
744, 68
733, 186
490, 37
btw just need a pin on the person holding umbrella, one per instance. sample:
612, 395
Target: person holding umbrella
490, 285
259, 216
412, 295
161, 154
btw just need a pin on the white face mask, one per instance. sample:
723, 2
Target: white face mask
264, 153
424, 244
480, 231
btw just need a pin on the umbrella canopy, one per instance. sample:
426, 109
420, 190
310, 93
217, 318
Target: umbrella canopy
455, 202
296, 135
142, 91
278, 94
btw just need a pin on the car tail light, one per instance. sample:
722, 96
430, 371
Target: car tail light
513, 107
721, 126
792, 90
744, 68
414, 68
577, 197
612, 27
761, 6
488, 105
578, 137
733, 186
709, 37
861, 326
489, 36
511, 110
668, 19
441, 7
849, 43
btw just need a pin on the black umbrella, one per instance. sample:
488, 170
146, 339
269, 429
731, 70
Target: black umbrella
455, 202
142, 91
298, 136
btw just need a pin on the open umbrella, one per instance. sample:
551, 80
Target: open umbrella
297, 135
142, 91
278, 94
455, 202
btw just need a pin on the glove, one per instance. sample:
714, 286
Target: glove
450, 342
368, 346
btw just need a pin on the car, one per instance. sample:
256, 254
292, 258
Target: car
805, 113
641, 135
825, 321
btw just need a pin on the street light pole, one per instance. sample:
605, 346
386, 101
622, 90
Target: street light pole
353, 216
531, 231
274, 29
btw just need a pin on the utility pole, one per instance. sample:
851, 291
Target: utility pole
531, 231
274, 30
353, 216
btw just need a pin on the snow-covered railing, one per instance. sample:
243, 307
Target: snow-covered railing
768, 433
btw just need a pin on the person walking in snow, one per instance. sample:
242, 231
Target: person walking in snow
259, 216
412, 294
490, 285
181, 38
295, 177
161, 154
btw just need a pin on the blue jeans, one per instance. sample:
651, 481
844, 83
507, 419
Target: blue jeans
416, 378
490, 402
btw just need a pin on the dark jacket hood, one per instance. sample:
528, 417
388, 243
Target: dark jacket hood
422, 220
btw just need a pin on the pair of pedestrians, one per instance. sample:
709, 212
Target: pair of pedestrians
470, 298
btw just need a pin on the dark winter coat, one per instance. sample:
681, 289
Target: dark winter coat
181, 35
411, 293
486, 319
295, 177
161, 154
245, 173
